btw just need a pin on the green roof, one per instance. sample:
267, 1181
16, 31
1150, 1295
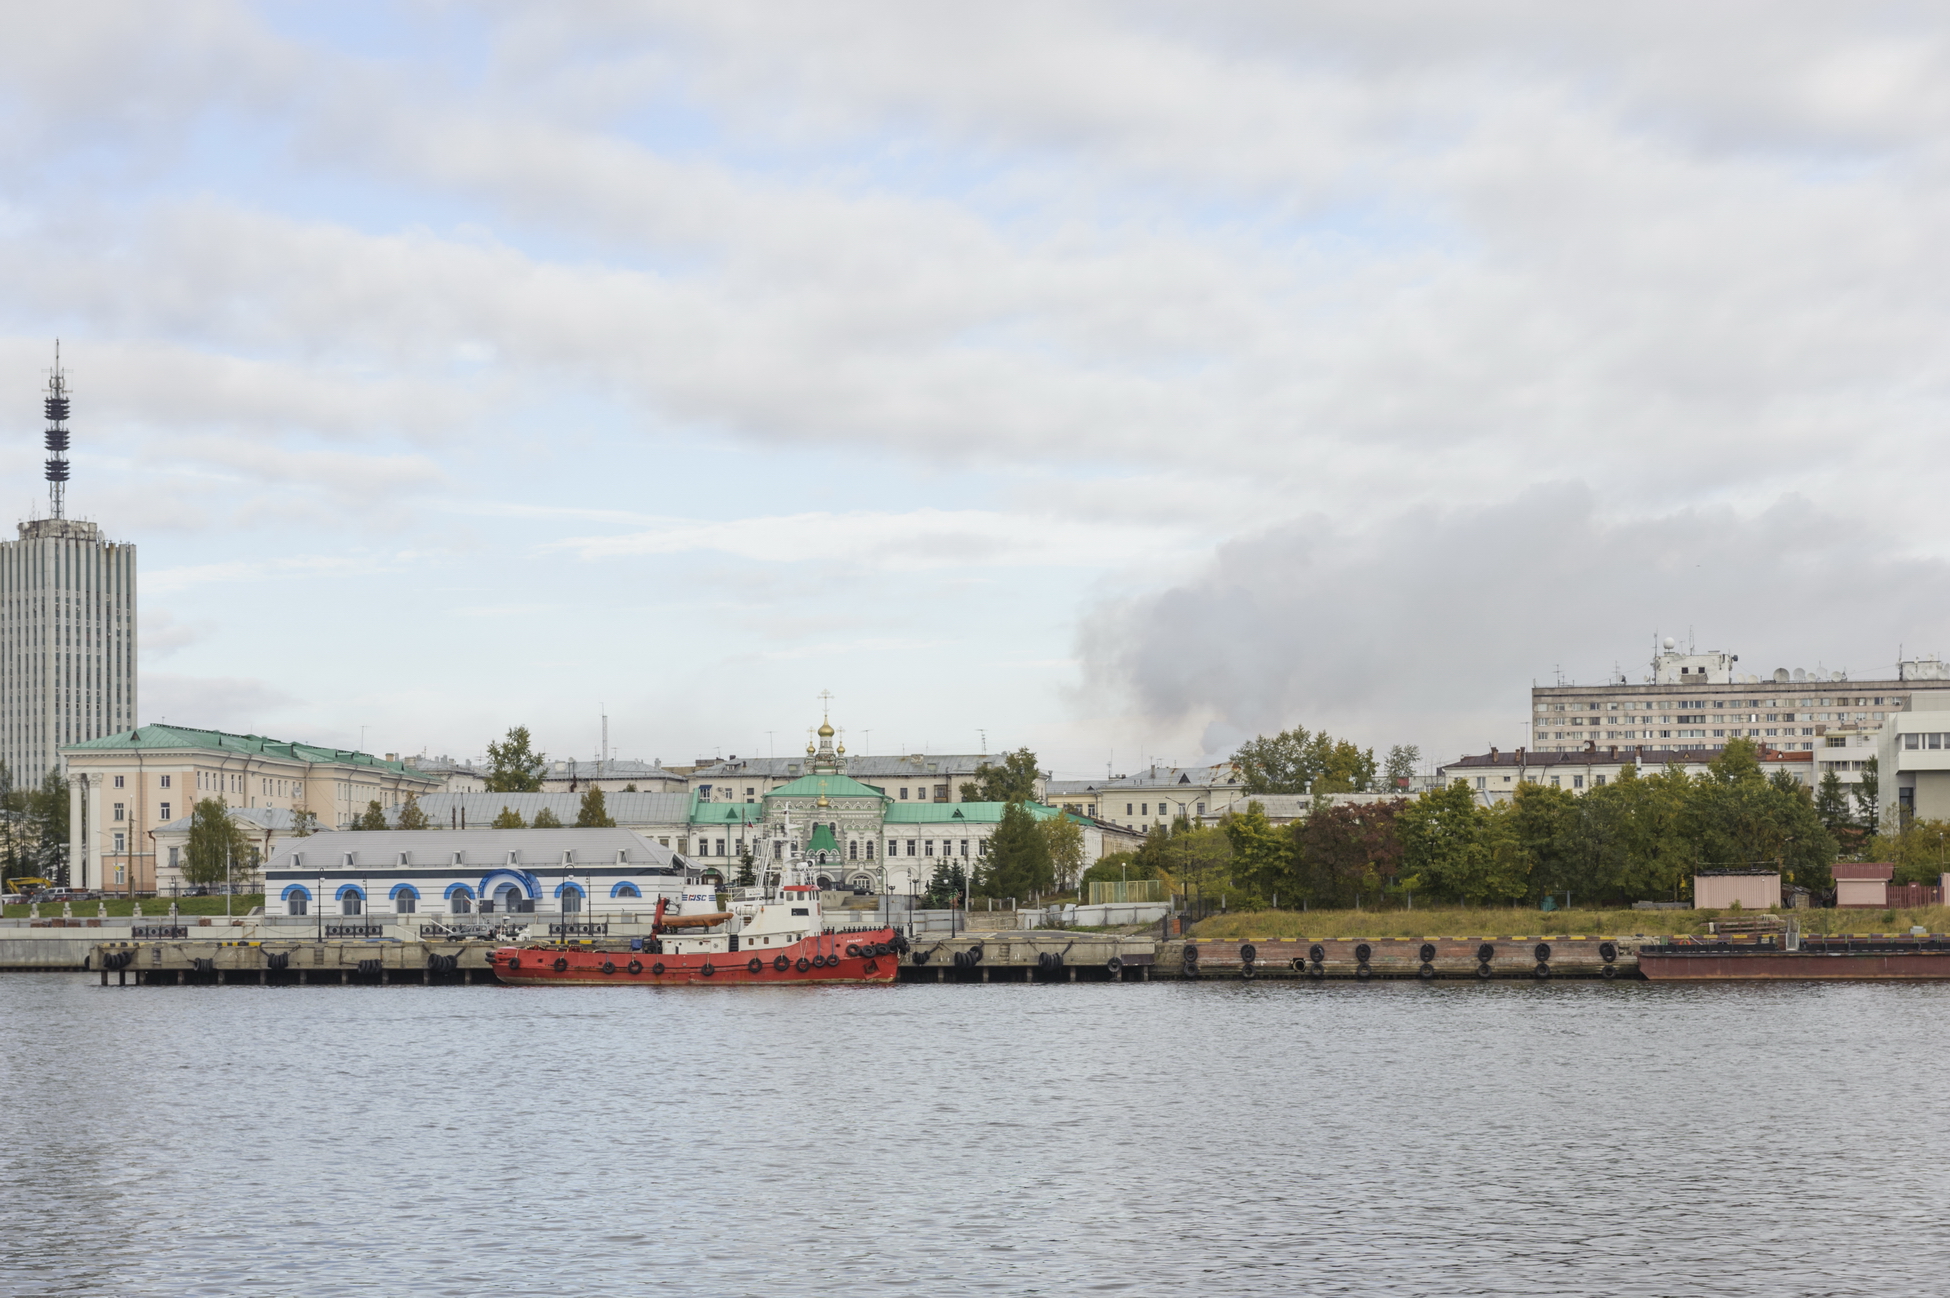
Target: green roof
832, 786
822, 840
960, 813
147, 737
725, 813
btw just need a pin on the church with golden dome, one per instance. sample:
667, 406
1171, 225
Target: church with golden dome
851, 832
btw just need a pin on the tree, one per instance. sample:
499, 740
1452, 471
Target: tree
1302, 761
1837, 813
514, 767
945, 888
747, 864
1920, 850
1454, 849
1401, 764
411, 816
1018, 862
304, 822
508, 820
1013, 781
374, 817
1346, 856
594, 813
1065, 838
1262, 856
45, 815
1868, 795
547, 819
217, 846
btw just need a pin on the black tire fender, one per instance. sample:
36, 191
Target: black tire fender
1485, 953
754, 965
1543, 970
804, 964
852, 950
1316, 953
1610, 971
1542, 952
561, 964
1608, 951
609, 966
1115, 964
1483, 971
1428, 952
781, 963
709, 969
1362, 952
1248, 952
657, 969
1426, 972
636, 966
1189, 954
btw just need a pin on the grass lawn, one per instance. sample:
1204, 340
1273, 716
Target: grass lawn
239, 905
1495, 923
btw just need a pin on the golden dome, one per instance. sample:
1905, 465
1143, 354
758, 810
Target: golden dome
825, 730
822, 800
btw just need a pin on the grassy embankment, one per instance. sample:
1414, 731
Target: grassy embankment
151, 906
1274, 925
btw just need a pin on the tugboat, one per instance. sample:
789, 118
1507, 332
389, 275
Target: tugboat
779, 940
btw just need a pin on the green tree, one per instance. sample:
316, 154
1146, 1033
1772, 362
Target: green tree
945, 888
1455, 849
514, 767
45, 820
1302, 761
1018, 863
508, 820
1920, 850
747, 865
1868, 796
1013, 781
1262, 856
411, 816
1401, 764
216, 845
547, 819
374, 817
594, 812
304, 822
1065, 838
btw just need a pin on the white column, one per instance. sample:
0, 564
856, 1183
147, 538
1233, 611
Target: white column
94, 867
75, 863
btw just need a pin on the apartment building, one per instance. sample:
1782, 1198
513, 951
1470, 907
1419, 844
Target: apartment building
1695, 702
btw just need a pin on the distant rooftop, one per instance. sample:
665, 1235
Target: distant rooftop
160, 736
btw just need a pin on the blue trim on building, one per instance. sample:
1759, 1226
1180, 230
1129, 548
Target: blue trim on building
404, 889
352, 889
296, 890
530, 886
460, 888
626, 889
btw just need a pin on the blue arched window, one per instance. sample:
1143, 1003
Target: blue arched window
460, 898
570, 895
351, 900
625, 890
406, 898
297, 900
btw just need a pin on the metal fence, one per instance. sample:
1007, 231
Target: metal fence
1125, 892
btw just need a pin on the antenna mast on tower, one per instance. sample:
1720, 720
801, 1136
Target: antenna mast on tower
57, 436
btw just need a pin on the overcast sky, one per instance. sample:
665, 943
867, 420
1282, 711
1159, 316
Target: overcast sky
1119, 380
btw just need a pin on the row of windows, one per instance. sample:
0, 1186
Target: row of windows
1164, 809
1927, 739
1769, 732
1699, 705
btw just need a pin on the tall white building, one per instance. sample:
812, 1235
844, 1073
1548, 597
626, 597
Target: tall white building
67, 626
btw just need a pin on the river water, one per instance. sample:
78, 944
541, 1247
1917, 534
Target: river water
1212, 1138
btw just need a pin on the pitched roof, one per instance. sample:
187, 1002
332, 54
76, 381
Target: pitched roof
487, 848
822, 840
962, 813
623, 808
832, 786
151, 737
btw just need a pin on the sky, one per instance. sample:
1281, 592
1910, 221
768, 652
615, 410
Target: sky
1118, 380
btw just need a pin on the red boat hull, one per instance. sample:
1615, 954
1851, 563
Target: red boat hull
820, 959
1896, 966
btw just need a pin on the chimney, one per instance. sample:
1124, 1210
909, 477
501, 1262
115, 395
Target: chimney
1492, 753
1519, 755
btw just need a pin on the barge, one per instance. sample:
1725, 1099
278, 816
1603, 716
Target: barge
1872, 957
